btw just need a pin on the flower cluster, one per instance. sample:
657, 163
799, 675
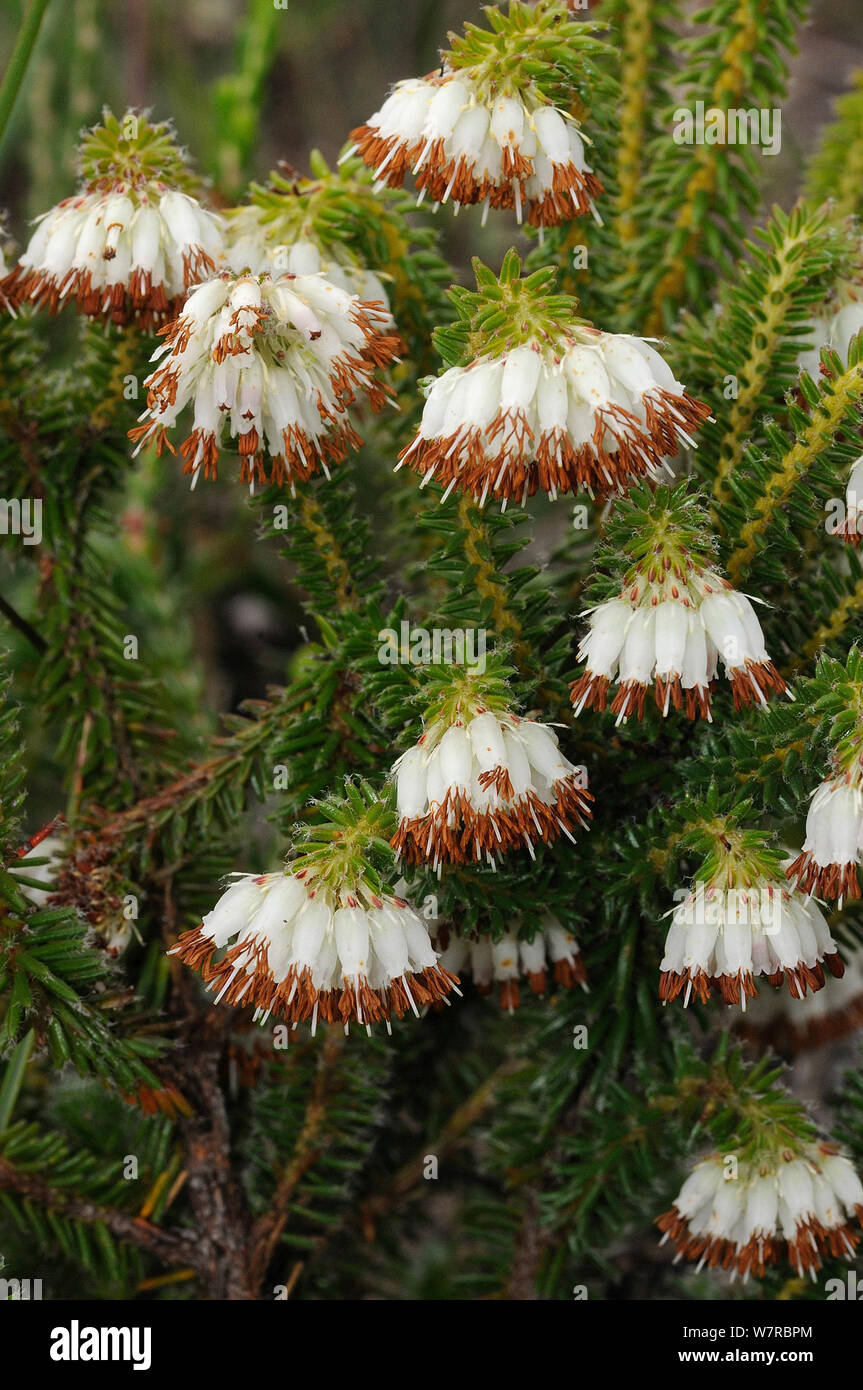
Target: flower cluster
510, 151
794, 1206
302, 952
129, 245
673, 639
486, 783
721, 939
672, 618
587, 410
827, 863
553, 951
496, 124
275, 363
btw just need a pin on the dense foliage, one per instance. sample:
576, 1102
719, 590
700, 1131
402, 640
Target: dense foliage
156, 1143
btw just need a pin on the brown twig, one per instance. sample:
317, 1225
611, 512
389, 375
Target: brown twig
184, 788
269, 1227
168, 1246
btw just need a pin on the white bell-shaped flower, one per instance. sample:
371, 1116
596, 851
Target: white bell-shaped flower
827, 863
722, 940
118, 256
648, 637
296, 951
589, 411
514, 151
796, 1205
273, 363
486, 785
